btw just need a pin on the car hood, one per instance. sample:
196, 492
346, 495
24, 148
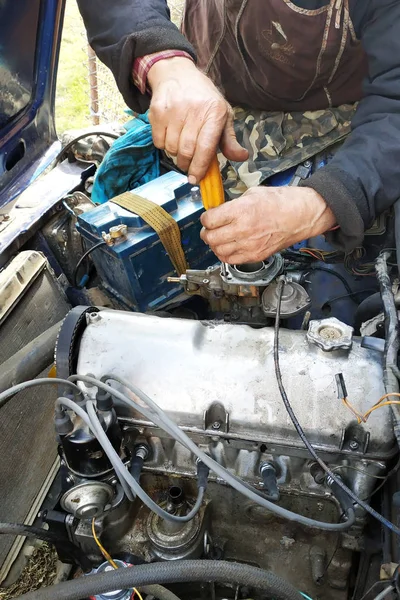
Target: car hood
30, 33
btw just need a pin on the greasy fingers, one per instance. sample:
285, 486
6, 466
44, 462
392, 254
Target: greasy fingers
218, 237
220, 216
189, 116
229, 145
264, 221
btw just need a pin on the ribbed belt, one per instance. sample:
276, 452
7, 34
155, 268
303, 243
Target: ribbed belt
163, 224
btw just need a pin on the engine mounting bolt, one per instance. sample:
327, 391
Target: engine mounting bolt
216, 425
354, 445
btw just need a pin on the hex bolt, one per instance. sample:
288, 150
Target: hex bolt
216, 425
354, 445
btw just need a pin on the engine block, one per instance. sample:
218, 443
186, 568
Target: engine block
217, 382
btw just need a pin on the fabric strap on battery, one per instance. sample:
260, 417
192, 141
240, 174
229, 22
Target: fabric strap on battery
163, 224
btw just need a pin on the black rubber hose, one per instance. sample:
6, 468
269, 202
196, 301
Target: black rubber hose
31, 360
82, 258
72, 143
177, 571
303, 436
74, 552
348, 289
397, 231
136, 467
369, 308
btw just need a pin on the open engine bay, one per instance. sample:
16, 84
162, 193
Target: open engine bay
229, 431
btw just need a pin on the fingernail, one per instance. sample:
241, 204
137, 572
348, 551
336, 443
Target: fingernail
192, 180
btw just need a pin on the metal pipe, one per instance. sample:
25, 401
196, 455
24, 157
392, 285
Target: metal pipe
93, 86
31, 360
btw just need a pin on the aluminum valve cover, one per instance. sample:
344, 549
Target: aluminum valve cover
185, 366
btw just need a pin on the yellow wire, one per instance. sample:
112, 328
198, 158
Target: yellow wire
363, 418
101, 547
107, 555
355, 412
387, 396
389, 403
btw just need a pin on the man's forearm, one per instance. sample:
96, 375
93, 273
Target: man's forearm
123, 30
363, 179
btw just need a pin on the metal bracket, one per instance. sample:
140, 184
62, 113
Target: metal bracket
302, 172
216, 418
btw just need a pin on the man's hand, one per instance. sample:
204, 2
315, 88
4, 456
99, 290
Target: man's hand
189, 117
263, 221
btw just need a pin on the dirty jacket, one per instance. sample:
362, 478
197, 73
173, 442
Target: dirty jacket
363, 179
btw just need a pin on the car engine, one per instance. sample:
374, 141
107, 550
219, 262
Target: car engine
218, 423
216, 382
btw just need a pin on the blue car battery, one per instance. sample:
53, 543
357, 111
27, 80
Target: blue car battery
135, 270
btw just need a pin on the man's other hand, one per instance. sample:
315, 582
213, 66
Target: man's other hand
263, 221
189, 117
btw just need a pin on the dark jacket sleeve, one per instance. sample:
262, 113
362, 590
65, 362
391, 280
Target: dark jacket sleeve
121, 30
363, 179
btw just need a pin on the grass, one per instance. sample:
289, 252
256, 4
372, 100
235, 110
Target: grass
40, 571
73, 97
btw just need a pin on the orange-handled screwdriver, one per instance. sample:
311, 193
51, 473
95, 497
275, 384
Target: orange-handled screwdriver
212, 193
211, 188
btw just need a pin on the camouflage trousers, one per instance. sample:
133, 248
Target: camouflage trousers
277, 141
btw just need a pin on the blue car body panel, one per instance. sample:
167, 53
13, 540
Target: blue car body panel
30, 33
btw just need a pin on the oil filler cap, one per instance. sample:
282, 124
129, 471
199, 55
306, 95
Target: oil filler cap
330, 335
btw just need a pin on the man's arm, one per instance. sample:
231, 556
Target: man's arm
123, 30
189, 117
360, 182
363, 179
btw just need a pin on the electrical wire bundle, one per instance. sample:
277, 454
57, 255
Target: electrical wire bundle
307, 255
355, 262
380, 404
151, 410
